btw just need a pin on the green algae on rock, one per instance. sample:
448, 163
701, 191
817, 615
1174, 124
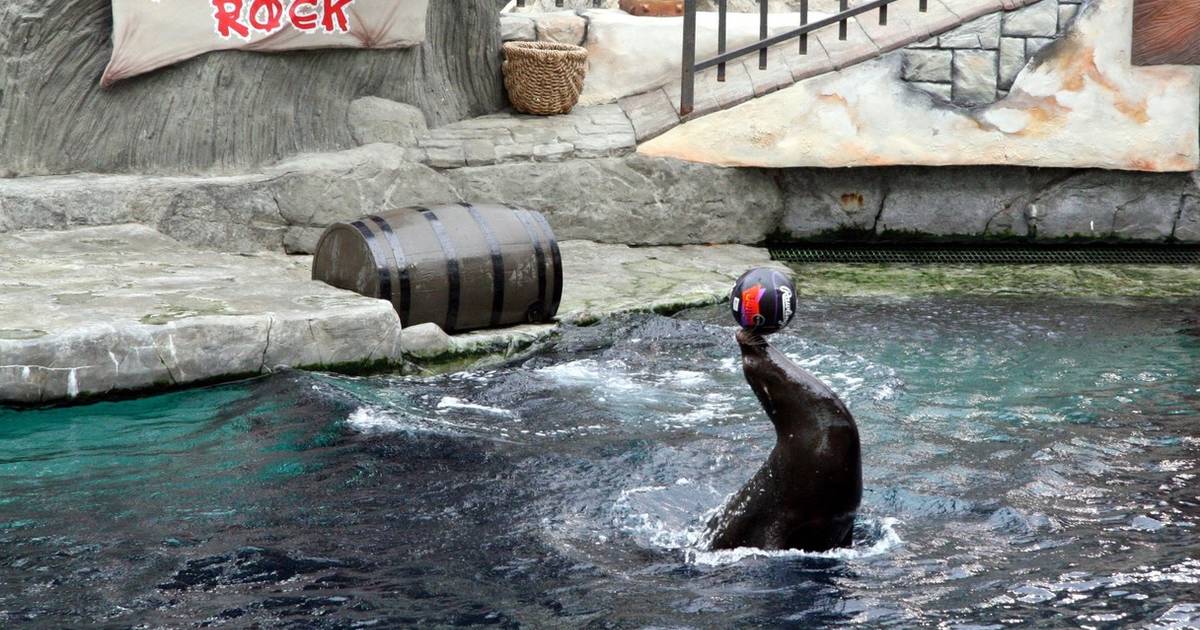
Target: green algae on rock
1142, 281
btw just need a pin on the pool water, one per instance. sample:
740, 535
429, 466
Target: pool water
1026, 461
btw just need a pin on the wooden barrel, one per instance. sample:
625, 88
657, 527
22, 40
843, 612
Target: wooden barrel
461, 267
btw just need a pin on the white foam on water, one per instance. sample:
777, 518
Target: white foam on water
700, 415
450, 402
372, 420
1076, 586
610, 375
670, 517
369, 419
687, 378
730, 364
887, 540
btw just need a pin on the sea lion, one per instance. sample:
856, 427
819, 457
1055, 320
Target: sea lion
806, 494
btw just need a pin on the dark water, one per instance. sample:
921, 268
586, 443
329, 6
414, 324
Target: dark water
1026, 463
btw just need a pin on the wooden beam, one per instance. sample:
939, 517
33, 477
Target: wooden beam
1166, 32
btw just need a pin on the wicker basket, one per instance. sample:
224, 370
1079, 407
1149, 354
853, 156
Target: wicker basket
544, 78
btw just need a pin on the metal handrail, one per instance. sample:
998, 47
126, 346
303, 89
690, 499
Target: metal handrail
691, 67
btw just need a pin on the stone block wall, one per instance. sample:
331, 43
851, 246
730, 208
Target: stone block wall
976, 63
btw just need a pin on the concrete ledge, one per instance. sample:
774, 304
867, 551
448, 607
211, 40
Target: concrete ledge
94, 311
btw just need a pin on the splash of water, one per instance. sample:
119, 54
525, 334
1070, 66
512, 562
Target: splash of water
881, 541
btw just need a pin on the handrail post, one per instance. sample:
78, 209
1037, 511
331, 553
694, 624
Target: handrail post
722, 11
687, 90
763, 6
804, 22
843, 26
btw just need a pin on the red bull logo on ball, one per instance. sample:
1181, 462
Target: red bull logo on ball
750, 308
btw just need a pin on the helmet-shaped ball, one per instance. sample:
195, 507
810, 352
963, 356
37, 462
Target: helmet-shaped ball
763, 300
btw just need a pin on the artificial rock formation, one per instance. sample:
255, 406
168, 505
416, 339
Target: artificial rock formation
100, 310
624, 199
225, 111
867, 115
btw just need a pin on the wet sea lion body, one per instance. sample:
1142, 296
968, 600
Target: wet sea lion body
806, 494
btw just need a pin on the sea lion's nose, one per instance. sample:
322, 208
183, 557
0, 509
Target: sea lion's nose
749, 338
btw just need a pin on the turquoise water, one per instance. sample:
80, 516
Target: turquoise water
1026, 462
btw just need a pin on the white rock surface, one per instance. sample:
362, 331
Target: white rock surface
1012, 60
974, 77
1036, 20
982, 33
925, 65
630, 55
865, 116
564, 27
518, 28
91, 311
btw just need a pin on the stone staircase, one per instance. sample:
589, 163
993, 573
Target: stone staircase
657, 111
953, 45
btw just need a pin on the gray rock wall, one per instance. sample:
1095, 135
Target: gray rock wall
964, 203
634, 200
631, 200
221, 111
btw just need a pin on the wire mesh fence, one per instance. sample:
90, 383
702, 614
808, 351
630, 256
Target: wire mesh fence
994, 254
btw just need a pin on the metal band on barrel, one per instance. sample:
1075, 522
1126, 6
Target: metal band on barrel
558, 269
452, 271
497, 263
385, 278
401, 267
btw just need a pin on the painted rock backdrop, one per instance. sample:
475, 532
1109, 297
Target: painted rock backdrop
1077, 102
222, 112
150, 34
